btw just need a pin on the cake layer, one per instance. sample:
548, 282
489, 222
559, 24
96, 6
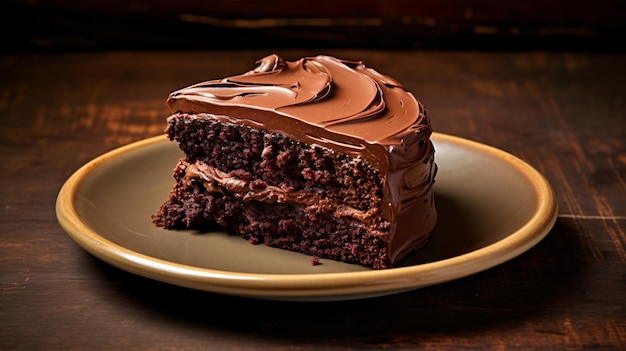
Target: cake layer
198, 202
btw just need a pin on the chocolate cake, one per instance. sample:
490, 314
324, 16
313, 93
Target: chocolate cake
322, 156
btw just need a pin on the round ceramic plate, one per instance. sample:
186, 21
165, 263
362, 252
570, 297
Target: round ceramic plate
492, 207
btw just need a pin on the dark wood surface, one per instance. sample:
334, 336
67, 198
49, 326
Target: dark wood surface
563, 112
118, 24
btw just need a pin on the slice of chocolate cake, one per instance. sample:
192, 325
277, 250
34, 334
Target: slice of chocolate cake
322, 156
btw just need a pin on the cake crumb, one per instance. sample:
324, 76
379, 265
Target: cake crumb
315, 261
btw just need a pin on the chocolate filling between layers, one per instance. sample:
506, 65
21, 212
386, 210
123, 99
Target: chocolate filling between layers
216, 181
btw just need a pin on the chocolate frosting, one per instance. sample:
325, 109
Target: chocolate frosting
342, 105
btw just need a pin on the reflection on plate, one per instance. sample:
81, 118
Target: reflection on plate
492, 207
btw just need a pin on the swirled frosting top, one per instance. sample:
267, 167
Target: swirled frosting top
321, 100
335, 103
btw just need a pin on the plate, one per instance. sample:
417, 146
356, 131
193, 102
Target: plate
492, 207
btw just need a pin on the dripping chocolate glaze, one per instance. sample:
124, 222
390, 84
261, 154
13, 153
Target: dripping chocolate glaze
339, 104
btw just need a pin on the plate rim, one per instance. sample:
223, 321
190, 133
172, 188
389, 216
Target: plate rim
310, 286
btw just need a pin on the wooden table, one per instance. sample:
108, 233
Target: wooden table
563, 112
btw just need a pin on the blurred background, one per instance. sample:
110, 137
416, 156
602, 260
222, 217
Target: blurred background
66, 25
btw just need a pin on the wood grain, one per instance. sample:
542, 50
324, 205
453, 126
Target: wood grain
563, 112
149, 24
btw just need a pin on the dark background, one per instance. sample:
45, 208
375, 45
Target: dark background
57, 25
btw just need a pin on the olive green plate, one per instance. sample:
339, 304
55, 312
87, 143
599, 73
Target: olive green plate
492, 207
